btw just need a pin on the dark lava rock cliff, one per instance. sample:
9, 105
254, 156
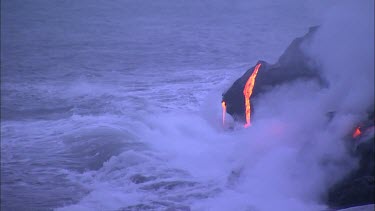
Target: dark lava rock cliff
293, 64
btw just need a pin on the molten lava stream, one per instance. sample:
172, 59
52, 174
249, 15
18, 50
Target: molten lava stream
224, 106
247, 91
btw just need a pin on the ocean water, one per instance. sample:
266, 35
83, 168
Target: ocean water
115, 105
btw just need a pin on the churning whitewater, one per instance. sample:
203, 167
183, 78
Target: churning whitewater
117, 105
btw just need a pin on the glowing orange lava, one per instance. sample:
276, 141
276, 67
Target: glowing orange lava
357, 132
247, 91
224, 106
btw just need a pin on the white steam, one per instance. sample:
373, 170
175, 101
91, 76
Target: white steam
293, 151
344, 45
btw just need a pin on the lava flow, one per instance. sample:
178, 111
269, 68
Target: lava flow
357, 132
224, 106
247, 91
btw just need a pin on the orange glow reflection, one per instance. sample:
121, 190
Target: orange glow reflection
357, 132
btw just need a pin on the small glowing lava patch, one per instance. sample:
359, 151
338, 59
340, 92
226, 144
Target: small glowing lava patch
224, 106
357, 132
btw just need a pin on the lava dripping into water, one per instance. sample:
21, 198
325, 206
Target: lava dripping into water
224, 106
247, 91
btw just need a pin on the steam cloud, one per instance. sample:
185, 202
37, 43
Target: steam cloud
344, 46
294, 151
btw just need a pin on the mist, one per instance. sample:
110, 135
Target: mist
294, 151
116, 105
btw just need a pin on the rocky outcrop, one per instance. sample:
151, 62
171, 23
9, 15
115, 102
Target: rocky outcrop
293, 64
358, 188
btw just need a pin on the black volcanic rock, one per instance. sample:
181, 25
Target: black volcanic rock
293, 64
358, 188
